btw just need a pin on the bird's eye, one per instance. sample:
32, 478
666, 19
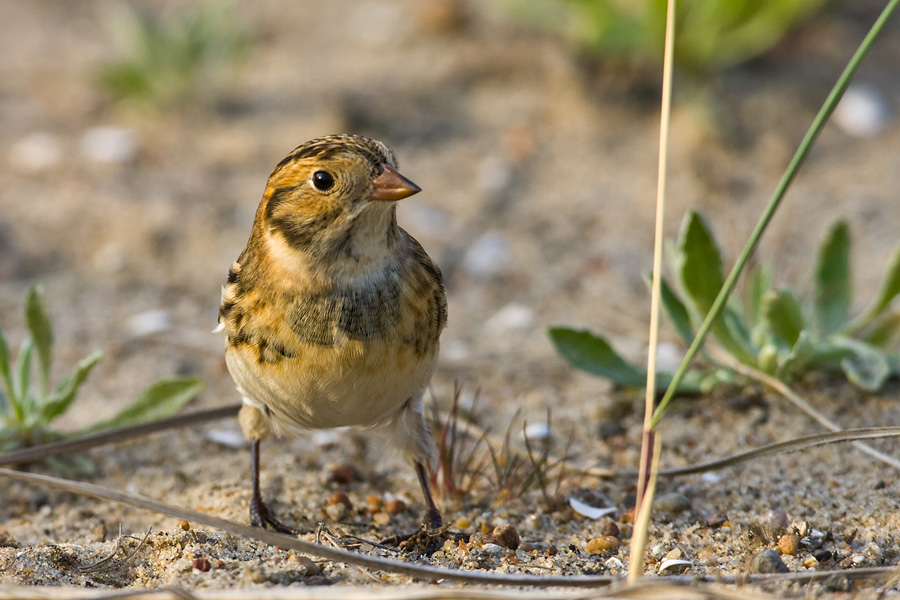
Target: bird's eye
323, 180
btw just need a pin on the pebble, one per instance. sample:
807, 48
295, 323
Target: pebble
201, 564
538, 431
774, 520
602, 544
512, 317
150, 322
716, 520
463, 522
381, 518
492, 549
488, 256
672, 503
507, 536
110, 145
36, 152
395, 506
788, 544
768, 561
862, 112
306, 565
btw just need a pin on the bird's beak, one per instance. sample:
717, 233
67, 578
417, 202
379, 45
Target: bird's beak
391, 185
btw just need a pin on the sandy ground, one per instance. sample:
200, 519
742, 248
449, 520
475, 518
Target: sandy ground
539, 180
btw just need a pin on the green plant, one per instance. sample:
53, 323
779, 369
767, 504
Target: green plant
711, 34
172, 60
28, 408
771, 330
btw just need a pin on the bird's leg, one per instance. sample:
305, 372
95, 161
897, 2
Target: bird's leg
432, 515
260, 515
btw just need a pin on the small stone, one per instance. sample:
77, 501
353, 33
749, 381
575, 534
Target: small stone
602, 544
305, 565
492, 549
184, 525
716, 520
672, 504
788, 544
342, 474
526, 546
36, 151
507, 536
609, 528
823, 555
774, 520
201, 564
112, 145
98, 534
339, 506
463, 522
538, 431
381, 518
810, 562
673, 554
608, 429
862, 112
767, 561
395, 506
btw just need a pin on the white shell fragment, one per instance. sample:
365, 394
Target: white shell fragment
673, 562
591, 512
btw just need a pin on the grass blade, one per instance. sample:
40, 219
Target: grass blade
833, 290
38, 322
160, 400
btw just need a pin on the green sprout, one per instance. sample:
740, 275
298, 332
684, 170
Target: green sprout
28, 407
771, 331
172, 60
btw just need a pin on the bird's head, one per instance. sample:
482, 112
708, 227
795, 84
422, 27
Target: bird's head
334, 196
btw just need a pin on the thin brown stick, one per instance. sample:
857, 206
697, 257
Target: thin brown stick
795, 399
35, 453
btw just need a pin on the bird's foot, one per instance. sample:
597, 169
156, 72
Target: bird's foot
261, 516
428, 539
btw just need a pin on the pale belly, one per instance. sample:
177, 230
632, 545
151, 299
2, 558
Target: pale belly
343, 385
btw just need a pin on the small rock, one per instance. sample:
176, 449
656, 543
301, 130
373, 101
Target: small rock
507, 536
488, 256
343, 474
774, 520
395, 506
463, 522
526, 546
381, 518
823, 555
610, 528
767, 561
36, 152
201, 564
112, 145
602, 544
608, 429
150, 322
672, 503
492, 549
512, 317
716, 520
184, 525
339, 506
788, 544
98, 534
862, 112
538, 431
306, 566
673, 554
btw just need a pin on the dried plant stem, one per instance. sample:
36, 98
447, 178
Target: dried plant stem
647, 480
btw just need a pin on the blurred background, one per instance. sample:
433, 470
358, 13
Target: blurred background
136, 139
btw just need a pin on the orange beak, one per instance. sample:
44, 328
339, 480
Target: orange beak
391, 185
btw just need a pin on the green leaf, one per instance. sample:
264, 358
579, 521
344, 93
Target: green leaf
889, 289
24, 377
798, 359
701, 267
833, 293
59, 401
783, 315
6, 372
593, 354
760, 283
38, 322
885, 331
702, 278
162, 399
865, 366
677, 312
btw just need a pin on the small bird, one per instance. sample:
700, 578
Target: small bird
333, 313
